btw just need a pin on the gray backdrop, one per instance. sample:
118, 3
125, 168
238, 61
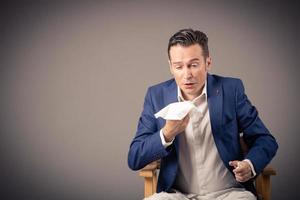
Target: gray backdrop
74, 75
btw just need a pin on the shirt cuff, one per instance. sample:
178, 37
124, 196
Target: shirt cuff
252, 168
163, 141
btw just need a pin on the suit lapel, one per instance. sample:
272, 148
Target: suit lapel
172, 95
215, 104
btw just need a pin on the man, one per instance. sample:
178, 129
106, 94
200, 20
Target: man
201, 156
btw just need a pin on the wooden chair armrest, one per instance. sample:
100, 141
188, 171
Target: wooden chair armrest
268, 171
150, 176
151, 166
263, 182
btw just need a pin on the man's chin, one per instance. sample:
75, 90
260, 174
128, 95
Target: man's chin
190, 92
187, 93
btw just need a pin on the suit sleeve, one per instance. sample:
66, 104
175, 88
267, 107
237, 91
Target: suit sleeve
262, 145
146, 146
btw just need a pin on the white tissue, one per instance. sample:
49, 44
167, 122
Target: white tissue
175, 111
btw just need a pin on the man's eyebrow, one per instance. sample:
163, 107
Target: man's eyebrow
194, 59
179, 62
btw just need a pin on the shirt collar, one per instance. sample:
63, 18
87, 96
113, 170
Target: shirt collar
203, 93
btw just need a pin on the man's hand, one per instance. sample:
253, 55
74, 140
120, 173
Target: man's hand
174, 127
242, 170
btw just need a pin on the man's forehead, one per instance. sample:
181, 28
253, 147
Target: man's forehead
192, 49
179, 52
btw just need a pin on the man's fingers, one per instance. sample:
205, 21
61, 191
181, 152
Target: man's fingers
242, 170
174, 127
243, 178
240, 166
234, 163
242, 173
185, 120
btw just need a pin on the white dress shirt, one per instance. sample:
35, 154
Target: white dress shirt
201, 170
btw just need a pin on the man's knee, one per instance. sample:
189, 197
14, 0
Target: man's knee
243, 195
166, 196
157, 196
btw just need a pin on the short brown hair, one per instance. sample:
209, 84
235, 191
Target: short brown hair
188, 37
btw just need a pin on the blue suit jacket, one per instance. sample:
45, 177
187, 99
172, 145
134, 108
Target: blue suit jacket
230, 113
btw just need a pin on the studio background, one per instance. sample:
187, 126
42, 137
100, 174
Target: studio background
73, 75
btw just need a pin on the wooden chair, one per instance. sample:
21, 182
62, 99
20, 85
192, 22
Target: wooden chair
262, 181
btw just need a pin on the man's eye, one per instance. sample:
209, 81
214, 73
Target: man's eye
178, 67
194, 64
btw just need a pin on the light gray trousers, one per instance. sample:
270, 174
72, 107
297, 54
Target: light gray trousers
228, 194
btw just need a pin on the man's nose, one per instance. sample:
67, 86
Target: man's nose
187, 73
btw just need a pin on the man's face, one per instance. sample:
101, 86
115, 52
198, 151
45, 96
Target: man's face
189, 68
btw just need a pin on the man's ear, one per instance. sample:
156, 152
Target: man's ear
208, 63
